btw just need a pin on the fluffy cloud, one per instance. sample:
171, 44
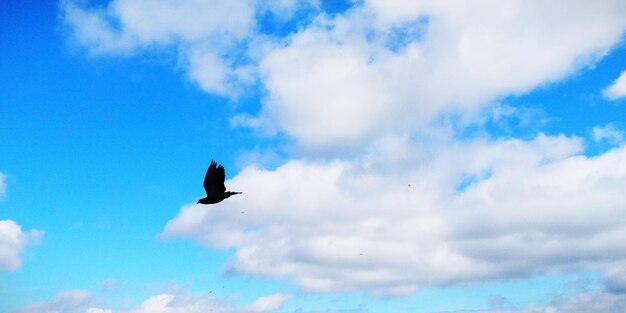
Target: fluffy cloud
204, 32
341, 81
617, 90
126, 25
409, 214
380, 67
12, 241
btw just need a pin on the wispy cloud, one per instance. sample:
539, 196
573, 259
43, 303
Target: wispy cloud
185, 303
3, 186
267, 304
608, 133
73, 301
395, 220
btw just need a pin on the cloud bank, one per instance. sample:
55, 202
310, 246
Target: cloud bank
75, 301
430, 215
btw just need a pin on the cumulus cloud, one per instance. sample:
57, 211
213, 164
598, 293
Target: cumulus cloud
72, 301
381, 66
342, 75
12, 241
617, 89
398, 218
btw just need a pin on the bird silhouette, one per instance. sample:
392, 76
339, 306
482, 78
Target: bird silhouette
214, 185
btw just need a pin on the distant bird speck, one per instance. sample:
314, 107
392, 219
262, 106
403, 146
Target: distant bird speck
214, 185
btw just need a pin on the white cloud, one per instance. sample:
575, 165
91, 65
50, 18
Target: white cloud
65, 302
337, 83
267, 304
204, 32
406, 211
531, 208
607, 133
12, 241
381, 67
617, 90
209, 71
155, 304
168, 303
126, 25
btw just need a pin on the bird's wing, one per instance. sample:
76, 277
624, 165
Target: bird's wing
214, 180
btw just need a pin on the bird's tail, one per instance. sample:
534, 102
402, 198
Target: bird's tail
230, 193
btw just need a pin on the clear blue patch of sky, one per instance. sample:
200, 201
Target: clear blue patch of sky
468, 180
402, 35
271, 23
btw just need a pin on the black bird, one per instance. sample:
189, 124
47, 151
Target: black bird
214, 185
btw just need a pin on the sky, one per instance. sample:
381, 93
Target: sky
394, 156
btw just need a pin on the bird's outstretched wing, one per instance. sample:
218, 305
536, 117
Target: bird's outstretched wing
214, 180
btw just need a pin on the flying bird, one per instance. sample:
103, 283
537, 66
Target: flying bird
214, 185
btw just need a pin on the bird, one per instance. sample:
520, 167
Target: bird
214, 185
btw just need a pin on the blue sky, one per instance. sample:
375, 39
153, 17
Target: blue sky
403, 156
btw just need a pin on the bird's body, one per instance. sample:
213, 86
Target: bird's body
214, 185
